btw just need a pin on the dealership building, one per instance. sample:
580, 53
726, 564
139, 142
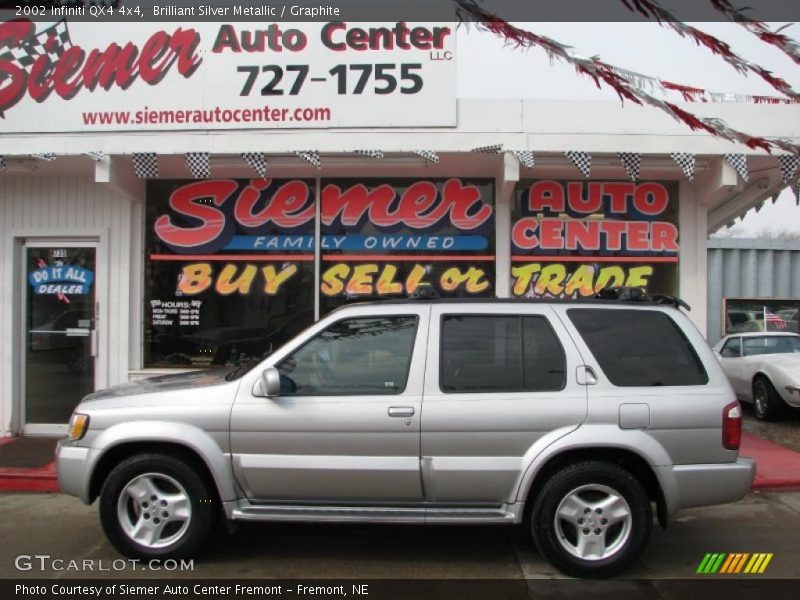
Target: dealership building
202, 208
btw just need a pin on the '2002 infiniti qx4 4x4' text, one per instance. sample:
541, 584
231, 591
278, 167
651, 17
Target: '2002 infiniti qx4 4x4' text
579, 420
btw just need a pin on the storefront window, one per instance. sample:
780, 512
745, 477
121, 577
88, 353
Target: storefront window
743, 315
570, 239
388, 238
229, 269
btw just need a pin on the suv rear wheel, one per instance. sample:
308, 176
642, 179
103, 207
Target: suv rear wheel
156, 506
591, 519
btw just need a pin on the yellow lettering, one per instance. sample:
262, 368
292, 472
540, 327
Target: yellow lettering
226, 284
333, 279
274, 280
195, 279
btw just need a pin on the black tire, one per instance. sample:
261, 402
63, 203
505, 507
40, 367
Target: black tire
767, 404
588, 483
118, 508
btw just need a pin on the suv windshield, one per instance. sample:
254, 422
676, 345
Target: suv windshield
775, 344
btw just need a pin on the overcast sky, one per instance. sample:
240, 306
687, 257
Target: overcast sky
487, 69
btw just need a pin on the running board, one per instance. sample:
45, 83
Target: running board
340, 514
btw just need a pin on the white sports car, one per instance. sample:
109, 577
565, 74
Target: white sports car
763, 368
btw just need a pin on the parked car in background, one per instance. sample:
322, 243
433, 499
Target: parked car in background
764, 369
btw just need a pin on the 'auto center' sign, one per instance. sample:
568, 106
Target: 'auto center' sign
160, 76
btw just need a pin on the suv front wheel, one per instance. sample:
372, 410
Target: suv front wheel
591, 519
156, 506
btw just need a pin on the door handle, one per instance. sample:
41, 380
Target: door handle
401, 411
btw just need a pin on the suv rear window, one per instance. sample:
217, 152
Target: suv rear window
639, 347
500, 354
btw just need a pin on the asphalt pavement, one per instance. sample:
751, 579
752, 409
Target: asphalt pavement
63, 529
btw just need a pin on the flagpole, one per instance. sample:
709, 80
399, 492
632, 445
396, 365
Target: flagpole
765, 318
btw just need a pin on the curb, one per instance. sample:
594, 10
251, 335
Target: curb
39, 479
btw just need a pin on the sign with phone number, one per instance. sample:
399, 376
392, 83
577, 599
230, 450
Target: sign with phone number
71, 76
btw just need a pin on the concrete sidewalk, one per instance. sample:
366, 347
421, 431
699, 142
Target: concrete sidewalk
777, 467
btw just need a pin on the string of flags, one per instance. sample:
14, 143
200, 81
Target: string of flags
199, 164
582, 160
311, 157
145, 164
257, 162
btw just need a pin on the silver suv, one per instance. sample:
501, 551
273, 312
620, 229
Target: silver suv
577, 419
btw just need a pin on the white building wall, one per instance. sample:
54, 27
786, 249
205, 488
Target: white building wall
33, 207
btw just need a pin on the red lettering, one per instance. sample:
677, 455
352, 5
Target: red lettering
591, 204
184, 201
550, 234
12, 33
522, 233
352, 204
65, 68
614, 231
462, 200
583, 234
287, 207
417, 207
663, 237
546, 194
75, 69
619, 193
650, 198
637, 235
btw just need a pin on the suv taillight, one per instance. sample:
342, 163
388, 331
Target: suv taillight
732, 426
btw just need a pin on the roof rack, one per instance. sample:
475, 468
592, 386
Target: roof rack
638, 294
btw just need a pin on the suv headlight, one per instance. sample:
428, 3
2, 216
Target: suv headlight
78, 426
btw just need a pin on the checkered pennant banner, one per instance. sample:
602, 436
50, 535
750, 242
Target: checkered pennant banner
428, 155
493, 149
370, 153
582, 160
3, 163
48, 156
311, 157
739, 164
789, 164
631, 162
796, 190
257, 162
199, 164
97, 156
686, 161
525, 157
145, 164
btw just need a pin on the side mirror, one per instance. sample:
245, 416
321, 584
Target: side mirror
270, 383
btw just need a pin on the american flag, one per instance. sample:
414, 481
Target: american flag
770, 317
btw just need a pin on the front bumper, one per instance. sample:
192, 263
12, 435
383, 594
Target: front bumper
704, 485
72, 464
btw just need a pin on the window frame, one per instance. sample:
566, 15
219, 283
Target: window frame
734, 340
704, 370
398, 392
519, 317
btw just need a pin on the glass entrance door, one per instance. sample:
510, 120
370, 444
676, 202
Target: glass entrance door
59, 332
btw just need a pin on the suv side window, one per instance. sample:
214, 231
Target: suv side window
486, 353
732, 348
639, 347
362, 356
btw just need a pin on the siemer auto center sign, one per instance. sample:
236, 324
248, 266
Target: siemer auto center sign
76, 76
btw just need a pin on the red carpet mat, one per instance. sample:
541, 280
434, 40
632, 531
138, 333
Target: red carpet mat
776, 465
